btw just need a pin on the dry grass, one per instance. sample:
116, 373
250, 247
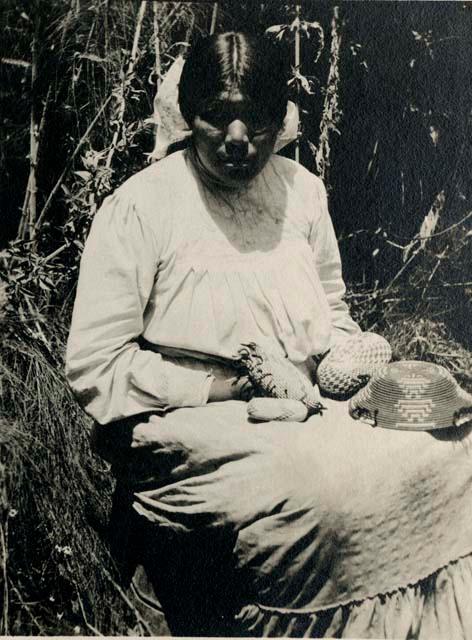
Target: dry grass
58, 577
424, 339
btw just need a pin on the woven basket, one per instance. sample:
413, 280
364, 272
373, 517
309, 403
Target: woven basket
412, 395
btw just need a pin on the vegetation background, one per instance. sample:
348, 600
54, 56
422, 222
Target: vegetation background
385, 94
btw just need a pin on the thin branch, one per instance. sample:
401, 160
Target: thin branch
89, 626
405, 266
456, 284
55, 253
25, 607
15, 63
70, 162
443, 231
170, 15
433, 271
127, 601
125, 80
4, 552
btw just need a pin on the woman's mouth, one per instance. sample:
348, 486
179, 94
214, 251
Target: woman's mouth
236, 161
236, 164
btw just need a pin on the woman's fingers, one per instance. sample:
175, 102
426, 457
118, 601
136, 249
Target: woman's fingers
236, 388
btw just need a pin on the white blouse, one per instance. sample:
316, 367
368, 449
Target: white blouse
182, 266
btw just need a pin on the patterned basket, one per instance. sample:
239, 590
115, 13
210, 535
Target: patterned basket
412, 395
348, 366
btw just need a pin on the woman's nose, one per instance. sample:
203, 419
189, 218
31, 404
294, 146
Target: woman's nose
237, 140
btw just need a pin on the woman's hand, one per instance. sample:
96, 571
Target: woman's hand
229, 389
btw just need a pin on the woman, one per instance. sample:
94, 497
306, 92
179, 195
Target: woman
332, 529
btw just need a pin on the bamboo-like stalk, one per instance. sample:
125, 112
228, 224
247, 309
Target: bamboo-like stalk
28, 216
157, 44
129, 71
297, 68
67, 21
214, 16
4, 626
70, 162
55, 253
106, 8
34, 135
25, 209
170, 15
188, 33
331, 113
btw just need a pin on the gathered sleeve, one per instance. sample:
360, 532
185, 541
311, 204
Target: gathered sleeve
111, 376
328, 264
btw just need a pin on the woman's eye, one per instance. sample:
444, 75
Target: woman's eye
261, 125
220, 120
261, 130
214, 118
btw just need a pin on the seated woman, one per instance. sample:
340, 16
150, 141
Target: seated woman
326, 527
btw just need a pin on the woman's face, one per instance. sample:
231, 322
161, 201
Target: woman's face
234, 139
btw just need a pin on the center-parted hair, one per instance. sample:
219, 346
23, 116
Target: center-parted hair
235, 61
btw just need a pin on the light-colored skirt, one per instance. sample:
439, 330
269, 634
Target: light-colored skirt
340, 529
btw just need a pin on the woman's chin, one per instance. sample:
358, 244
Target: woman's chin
236, 173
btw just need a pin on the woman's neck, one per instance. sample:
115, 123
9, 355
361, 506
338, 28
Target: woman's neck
210, 181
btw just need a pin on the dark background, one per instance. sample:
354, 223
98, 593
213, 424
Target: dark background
404, 95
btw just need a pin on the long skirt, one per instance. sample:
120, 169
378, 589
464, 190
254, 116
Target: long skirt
327, 528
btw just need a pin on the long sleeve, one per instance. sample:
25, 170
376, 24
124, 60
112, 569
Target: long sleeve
110, 375
328, 264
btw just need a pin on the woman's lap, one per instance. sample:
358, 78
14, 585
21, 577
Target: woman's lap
322, 512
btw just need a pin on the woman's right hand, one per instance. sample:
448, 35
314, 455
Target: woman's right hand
229, 389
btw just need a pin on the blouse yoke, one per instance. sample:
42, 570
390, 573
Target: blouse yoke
170, 263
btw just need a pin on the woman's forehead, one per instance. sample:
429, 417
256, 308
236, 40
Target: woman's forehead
231, 96
234, 101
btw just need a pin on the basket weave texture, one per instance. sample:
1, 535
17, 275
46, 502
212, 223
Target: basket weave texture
412, 395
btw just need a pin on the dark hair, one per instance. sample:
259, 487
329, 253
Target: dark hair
235, 61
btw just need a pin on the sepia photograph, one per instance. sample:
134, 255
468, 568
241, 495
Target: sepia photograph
236, 319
